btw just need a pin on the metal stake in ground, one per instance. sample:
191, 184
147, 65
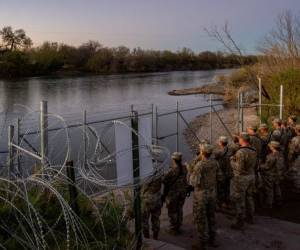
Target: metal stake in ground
10, 159
136, 177
44, 131
72, 187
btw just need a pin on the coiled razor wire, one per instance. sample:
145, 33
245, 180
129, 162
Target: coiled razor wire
34, 230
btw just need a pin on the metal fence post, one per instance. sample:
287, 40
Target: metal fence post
18, 143
44, 132
177, 127
259, 99
10, 159
72, 187
156, 124
242, 111
281, 102
136, 177
210, 118
239, 113
84, 137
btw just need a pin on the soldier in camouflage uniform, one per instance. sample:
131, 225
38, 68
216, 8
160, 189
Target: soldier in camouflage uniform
255, 141
285, 139
222, 155
265, 139
242, 184
175, 190
276, 134
204, 180
197, 158
151, 197
294, 150
291, 124
234, 145
270, 172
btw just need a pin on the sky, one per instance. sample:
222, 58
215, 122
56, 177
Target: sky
149, 24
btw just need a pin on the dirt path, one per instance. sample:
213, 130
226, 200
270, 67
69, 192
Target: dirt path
266, 233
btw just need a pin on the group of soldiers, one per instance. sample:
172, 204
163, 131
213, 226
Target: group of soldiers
235, 174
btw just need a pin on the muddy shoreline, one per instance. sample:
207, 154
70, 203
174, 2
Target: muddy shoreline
214, 89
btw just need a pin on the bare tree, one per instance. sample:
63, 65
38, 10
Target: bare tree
13, 40
223, 35
284, 40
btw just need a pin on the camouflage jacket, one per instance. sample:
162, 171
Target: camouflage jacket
151, 191
206, 174
244, 162
274, 166
223, 158
294, 148
175, 182
256, 143
233, 148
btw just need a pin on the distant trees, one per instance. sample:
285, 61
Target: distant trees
19, 59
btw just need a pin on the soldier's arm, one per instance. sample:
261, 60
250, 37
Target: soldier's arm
268, 164
240, 161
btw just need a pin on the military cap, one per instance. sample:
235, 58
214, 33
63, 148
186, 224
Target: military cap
293, 118
276, 120
274, 144
223, 139
203, 141
263, 126
245, 136
207, 148
177, 156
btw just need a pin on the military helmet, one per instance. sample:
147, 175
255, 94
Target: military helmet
263, 126
274, 144
245, 136
207, 148
177, 156
203, 141
276, 121
293, 118
223, 139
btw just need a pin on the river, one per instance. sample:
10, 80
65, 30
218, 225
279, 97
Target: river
102, 96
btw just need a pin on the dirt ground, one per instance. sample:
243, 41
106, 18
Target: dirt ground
266, 233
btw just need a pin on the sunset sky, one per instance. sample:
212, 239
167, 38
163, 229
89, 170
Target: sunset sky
157, 24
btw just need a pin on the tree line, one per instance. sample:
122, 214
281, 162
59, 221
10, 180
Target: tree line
18, 58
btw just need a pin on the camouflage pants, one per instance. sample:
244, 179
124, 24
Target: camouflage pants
153, 210
223, 190
204, 207
242, 195
272, 191
175, 211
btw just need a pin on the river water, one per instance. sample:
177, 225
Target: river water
102, 97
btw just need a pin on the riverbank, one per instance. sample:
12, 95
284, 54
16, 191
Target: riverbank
214, 89
200, 126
